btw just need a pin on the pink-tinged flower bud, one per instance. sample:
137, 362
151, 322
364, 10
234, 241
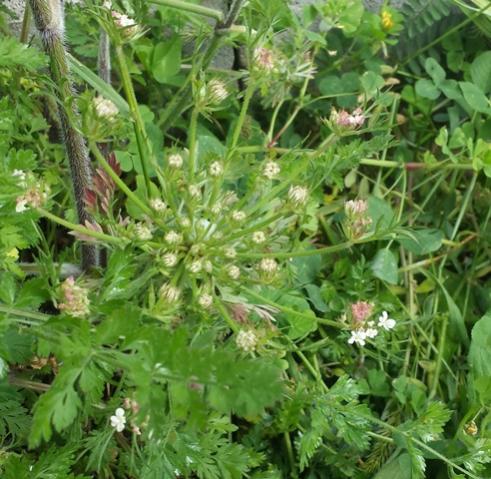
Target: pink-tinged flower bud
75, 299
361, 311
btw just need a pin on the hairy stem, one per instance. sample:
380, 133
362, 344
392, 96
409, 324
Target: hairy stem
49, 18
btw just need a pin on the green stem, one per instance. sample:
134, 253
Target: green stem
140, 132
119, 182
287, 310
439, 358
243, 111
231, 323
301, 253
193, 143
191, 8
79, 228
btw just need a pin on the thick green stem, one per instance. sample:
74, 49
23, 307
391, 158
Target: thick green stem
191, 8
144, 146
49, 18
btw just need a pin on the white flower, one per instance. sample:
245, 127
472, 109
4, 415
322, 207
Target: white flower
205, 300
371, 333
216, 168
172, 237
268, 265
385, 322
170, 293
143, 232
122, 20
355, 207
217, 91
230, 252
246, 340
158, 205
264, 59
105, 108
298, 195
21, 204
238, 215
195, 266
118, 421
233, 271
194, 191
175, 160
258, 237
185, 222
207, 266
358, 336
230, 198
170, 259
216, 208
271, 170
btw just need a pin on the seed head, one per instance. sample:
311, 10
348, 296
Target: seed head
173, 238
233, 272
158, 205
264, 59
175, 160
216, 169
169, 259
268, 265
105, 108
205, 300
217, 91
195, 266
298, 195
238, 215
143, 232
258, 237
271, 170
246, 340
170, 293
75, 299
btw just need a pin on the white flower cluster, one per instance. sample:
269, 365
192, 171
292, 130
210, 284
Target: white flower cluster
246, 340
105, 108
360, 335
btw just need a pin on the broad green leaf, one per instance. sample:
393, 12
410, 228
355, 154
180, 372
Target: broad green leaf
315, 296
436, 72
384, 266
480, 348
481, 71
371, 83
475, 97
427, 89
381, 213
166, 59
422, 241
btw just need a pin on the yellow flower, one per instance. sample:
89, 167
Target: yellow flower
387, 20
13, 254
